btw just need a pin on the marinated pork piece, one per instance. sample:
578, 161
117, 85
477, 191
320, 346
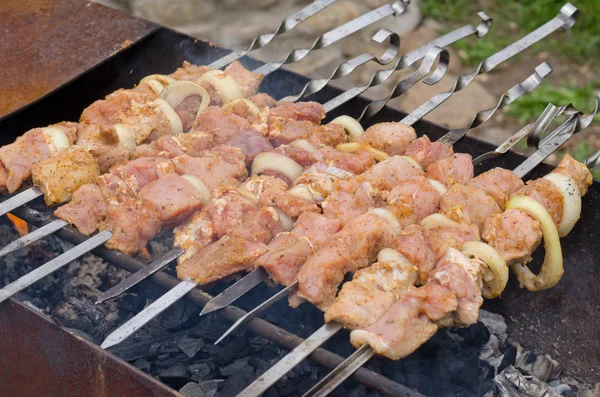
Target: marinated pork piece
263, 101
103, 144
234, 252
468, 204
104, 112
35, 145
357, 162
61, 175
443, 238
299, 155
225, 211
406, 325
192, 144
330, 135
372, 291
426, 152
265, 188
222, 124
251, 143
392, 138
413, 244
349, 199
293, 206
547, 194
455, 169
499, 183
413, 199
514, 234
189, 72
86, 209
284, 131
188, 110
289, 250
133, 223
174, 197
390, 172
577, 171
349, 250
313, 112
223, 166
145, 121
248, 81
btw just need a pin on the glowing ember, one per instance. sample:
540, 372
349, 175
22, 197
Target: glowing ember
19, 223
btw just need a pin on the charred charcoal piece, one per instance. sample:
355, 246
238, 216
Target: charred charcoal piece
177, 315
225, 354
143, 365
190, 346
131, 302
237, 382
204, 389
476, 335
200, 370
234, 367
211, 328
510, 357
176, 375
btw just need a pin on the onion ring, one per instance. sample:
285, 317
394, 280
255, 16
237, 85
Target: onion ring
350, 124
352, 147
170, 114
492, 287
276, 162
571, 199
224, 83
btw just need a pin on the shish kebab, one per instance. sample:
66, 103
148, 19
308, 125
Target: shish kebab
146, 216
400, 287
565, 19
356, 309
213, 83
235, 260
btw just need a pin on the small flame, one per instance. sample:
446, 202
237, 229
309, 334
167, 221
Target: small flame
19, 223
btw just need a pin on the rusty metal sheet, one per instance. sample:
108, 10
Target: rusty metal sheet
38, 358
47, 43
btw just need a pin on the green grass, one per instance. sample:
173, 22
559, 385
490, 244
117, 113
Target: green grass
513, 19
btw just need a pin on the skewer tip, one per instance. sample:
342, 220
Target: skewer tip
210, 308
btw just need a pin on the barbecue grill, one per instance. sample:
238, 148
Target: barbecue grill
536, 320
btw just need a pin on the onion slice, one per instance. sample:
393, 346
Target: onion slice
350, 124
552, 268
157, 82
303, 193
251, 105
571, 199
224, 83
126, 137
201, 186
437, 220
179, 91
170, 114
352, 147
286, 222
305, 145
276, 162
389, 217
57, 138
437, 185
494, 285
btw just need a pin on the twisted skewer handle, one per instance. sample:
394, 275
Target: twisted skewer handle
285, 26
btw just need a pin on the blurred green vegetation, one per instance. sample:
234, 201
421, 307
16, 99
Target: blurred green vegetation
513, 19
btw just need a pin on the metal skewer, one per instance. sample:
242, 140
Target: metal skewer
565, 19
33, 236
324, 333
186, 286
258, 275
396, 8
285, 26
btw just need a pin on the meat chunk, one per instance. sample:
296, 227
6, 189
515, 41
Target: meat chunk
174, 197
248, 81
192, 144
547, 194
222, 124
577, 171
104, 112
413, 244
86, 209
103, 144
132, 223
426, 152
357, 162
189, 72
263, 100
329, 134
145, 121
59, 176
234, 252
499, 183
289, 250
392, 138
34, 146
251, 143
312, 112
443, 238
455, 169
413, 199
284, 131
214, 170
406, 325
468, 204
350, 199
372, 291
390, 172
514, 234
349, 250
187, 111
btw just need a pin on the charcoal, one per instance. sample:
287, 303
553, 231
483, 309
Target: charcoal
286, 389
223, 355
200, 370
142, 365
176, 375
131, 302
359, 391
211, 328
258, 342
510, 357
475, 335
154, 347
237, 382
234, 367
271, 392
190, 346
197, 390
178, 314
